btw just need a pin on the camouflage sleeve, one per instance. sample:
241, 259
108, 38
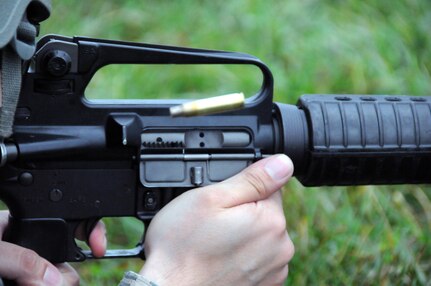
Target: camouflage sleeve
132, 279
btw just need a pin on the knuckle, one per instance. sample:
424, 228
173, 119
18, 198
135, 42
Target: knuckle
28, 260
278, 224
257, 182
282, 275
288, 250
207, 197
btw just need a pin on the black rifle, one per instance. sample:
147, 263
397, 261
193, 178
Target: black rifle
72, 161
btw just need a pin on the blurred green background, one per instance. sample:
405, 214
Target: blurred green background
359, 235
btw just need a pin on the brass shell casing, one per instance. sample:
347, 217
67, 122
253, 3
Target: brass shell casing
210, 105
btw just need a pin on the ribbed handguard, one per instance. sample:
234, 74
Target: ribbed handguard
362, 140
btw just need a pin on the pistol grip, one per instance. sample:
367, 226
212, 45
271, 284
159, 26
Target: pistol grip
48, 237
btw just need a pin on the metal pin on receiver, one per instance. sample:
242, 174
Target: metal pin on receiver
210, 105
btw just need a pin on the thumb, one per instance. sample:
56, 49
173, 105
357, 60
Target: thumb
26, 267
255, 183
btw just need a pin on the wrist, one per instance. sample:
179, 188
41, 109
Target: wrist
165, 273
156, 273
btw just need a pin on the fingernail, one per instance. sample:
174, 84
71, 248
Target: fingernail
279, 167
52, 276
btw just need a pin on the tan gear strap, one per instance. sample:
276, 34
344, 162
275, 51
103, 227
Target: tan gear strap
1, 89
10, 67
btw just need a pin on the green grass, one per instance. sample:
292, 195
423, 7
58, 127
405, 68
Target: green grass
343, 236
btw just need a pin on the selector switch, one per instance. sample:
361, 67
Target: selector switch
150, 201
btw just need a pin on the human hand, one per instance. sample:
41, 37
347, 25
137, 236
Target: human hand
230, 233
29, 269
